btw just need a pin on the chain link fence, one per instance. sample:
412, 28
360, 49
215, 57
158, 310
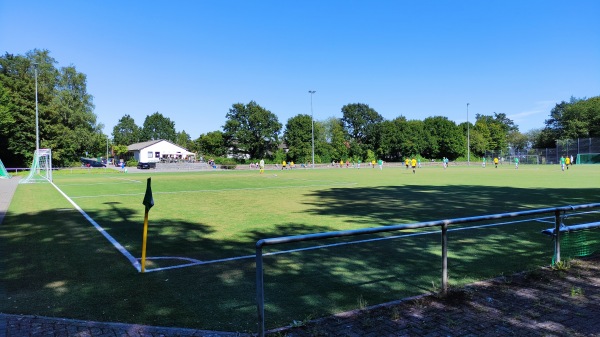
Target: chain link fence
586, 150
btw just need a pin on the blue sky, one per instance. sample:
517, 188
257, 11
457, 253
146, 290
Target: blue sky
191, 60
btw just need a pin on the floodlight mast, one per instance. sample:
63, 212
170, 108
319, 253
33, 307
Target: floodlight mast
312, 124
37, 125
468, 139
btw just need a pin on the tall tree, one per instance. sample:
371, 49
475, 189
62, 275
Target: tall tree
252, 130
334, 143
298, 136
126, 132
67, 123
183, 139
447, 139
360, 121
157, 126
212, 144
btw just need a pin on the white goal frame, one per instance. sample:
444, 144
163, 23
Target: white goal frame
41, 168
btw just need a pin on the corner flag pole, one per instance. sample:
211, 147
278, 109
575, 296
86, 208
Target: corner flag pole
148, 202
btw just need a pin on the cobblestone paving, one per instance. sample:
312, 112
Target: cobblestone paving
539, 303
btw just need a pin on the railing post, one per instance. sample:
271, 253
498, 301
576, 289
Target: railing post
260, 290
557, 223
444, 258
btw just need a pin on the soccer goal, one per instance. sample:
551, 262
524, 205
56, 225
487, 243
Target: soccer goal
525, 159
3, 173
41, 167
588, 158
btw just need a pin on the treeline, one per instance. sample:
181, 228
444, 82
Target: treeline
68, 125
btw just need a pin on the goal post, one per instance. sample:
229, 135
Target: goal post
533, 159
41, 168
588, 158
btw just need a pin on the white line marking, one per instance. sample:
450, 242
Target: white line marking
114, 242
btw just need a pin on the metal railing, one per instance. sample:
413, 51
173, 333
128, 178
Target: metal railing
444, 224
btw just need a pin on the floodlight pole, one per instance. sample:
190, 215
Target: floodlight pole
468, 139
106, 150
37, 127
312, 123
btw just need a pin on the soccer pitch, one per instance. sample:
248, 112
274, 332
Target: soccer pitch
204, 226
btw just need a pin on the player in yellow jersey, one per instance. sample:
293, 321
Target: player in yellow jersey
496, 162
413, 163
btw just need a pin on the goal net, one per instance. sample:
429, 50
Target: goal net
525, 159
588, 158
3, 173
41, 167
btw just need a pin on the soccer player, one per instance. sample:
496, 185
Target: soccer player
516, 163
407, 162
413, 163
261, 164
283, 165
567, 162
496, 162
562, 163
483, 162
380, 162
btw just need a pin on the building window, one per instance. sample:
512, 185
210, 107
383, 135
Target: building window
150, 154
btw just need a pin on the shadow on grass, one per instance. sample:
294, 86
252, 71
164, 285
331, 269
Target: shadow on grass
54, 264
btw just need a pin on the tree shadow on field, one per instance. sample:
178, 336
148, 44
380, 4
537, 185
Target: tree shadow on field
384, 205
55, 264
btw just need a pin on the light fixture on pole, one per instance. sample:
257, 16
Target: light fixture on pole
468, 139
312, 123
37, 126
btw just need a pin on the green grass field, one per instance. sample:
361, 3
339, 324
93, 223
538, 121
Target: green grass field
55, 263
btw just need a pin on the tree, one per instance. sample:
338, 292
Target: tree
157, 126
360, 121
518, 141
392, 139
298, 136
212, 144
183, 139
447, 139
334, 144
67, 123
126, 132
252, 130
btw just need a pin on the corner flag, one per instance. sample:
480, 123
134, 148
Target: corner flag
148, 200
